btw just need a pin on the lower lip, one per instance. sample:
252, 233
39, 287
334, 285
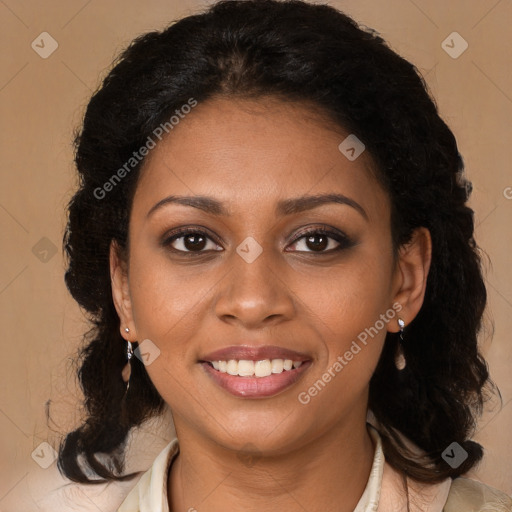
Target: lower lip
256, 387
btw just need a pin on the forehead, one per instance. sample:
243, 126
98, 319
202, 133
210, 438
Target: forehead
250, 153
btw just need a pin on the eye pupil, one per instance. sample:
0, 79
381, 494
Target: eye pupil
317, 245
198, 242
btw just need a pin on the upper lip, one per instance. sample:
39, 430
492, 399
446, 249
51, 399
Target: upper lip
254, 353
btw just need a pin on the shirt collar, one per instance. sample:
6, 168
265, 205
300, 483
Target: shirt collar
150, 493
370, 498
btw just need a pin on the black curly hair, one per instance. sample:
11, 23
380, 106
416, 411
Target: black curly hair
314, 54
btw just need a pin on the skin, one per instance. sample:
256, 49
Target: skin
250, 154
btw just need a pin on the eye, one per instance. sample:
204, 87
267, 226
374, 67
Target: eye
319, 240
189, 240
322, 241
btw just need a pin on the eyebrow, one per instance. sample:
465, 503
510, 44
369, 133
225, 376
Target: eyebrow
284, 207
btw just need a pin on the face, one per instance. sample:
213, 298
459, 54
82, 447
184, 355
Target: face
257, 270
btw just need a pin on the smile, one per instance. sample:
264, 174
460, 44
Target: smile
255, 379
247, 368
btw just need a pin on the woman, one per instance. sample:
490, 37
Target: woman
272, 219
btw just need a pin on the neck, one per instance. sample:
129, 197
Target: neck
328, 473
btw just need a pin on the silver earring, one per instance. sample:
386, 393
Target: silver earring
127, 370
400, 361
126, 329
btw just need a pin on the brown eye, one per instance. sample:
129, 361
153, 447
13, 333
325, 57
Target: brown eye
322, 241
189, 241
317, 242
195, 242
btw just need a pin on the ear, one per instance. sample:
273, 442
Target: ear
410, 280
121, 292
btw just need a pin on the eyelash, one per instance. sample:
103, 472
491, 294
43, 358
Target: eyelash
343, 240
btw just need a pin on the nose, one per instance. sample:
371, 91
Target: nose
255, 294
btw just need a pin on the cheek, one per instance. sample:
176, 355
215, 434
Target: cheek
351, 307
350, 295
166, 304
166, 308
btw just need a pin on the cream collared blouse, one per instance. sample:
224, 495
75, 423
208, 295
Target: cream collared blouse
384, 491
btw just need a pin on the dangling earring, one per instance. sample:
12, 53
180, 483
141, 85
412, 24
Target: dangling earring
127, 370
400, 361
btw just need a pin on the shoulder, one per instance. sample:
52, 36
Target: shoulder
472, 496
150, 492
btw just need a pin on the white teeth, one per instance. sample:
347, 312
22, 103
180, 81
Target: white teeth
248, 368
232, 367
245, 368
263, 368
277, 365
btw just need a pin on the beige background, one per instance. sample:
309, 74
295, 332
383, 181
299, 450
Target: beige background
42, 100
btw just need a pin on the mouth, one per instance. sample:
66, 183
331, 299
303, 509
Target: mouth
262, 378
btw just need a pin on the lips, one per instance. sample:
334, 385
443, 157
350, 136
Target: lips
252, 386
254, 354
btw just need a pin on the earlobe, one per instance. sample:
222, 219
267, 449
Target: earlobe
413, 267
121, 292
